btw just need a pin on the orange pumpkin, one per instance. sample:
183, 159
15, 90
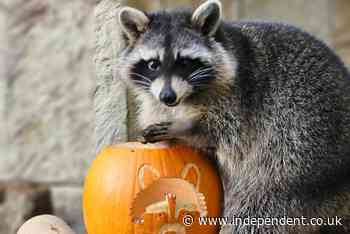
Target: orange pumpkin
134, 188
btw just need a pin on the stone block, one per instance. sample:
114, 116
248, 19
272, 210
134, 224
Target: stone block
49, 92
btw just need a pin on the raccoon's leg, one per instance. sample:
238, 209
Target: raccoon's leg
156, 132
167, 131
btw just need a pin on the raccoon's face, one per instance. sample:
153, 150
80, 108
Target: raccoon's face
172, 55
172, 74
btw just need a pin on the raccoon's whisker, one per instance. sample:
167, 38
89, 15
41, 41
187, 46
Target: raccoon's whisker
143, 83
145, 80
195, 71
199, 71
200, 77
141, 76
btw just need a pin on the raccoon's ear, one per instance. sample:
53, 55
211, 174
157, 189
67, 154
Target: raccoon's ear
133, 22
207, 17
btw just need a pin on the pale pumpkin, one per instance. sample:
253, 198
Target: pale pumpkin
134, 188
45, 224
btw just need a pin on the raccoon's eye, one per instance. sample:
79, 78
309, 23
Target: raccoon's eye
154, 65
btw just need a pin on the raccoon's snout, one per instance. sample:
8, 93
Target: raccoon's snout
168, 97
170, 92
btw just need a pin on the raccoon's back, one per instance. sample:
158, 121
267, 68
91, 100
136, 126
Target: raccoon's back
286, 66
294, 87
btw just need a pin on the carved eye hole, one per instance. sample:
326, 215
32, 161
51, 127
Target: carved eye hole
154, 65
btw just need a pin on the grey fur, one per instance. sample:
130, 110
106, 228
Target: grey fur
280, 121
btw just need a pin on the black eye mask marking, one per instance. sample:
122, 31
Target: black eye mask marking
144, 72
195, 71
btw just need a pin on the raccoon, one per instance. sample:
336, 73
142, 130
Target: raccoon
272, 101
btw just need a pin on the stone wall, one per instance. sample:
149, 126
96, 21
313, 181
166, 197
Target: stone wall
55, 56
47, 96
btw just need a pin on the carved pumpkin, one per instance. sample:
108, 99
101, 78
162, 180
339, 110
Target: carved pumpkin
134, 188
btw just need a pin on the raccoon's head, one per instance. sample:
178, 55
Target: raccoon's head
173, 57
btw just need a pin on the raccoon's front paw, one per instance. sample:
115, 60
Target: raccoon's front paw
156, 132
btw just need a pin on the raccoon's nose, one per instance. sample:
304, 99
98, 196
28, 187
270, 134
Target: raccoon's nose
168, 97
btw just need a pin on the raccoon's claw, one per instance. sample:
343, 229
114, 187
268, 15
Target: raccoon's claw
156, 132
